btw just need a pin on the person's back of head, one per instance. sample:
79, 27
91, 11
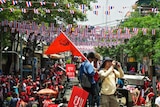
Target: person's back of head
14, 95
90, 55
85, 54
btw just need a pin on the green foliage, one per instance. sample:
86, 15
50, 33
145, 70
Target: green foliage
156, 48
56, 17
113, 52
142, 45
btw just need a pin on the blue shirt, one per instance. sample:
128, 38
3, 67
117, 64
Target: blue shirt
120, 83
16, 89
88, 69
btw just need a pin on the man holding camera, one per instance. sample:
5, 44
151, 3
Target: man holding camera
108, 75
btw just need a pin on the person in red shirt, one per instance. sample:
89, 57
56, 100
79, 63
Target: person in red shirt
137, 98
47, 101
28, 89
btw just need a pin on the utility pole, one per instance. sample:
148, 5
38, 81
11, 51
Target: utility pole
106, 13
1, 51
153, 68
21, 59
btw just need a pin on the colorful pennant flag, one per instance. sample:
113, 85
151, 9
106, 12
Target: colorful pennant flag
84, 11
28, 3
68, 5
127, 31
2, 1
11, 9
95, 12
144, 30
1, 9
23, 10
14, 2
107, 12
97, 6
82, 6
60, 10
42, 3
153, 31
55, 4
154, 10
71, 11
48, 11
135, 31
110, 7
36, 11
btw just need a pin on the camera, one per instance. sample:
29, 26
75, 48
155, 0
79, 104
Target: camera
116, 63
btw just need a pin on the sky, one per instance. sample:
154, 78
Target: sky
117, 13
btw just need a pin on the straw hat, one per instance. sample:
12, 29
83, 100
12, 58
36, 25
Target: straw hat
29, 76
97, 56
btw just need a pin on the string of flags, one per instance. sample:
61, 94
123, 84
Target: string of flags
80, 35
29, 6
36, 11
81, 7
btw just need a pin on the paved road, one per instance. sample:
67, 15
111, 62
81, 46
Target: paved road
73, 82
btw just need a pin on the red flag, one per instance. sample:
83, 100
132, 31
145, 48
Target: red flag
61, 44
78, 97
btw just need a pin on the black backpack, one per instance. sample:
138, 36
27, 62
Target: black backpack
83, 76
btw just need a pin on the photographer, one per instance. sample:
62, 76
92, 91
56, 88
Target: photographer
108, 75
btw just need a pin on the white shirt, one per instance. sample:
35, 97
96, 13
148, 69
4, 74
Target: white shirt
157, 101
109, 80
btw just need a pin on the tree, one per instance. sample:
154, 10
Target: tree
142, 44
113, 52
52, 11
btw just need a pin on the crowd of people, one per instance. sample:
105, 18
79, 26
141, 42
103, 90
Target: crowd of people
15, 92
106, 76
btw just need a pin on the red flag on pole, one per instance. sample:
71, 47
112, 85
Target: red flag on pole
61, 44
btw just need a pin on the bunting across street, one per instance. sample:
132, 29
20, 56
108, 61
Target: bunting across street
82, 7
81, 36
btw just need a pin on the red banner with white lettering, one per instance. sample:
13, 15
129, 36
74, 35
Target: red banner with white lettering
78, 97
70, 70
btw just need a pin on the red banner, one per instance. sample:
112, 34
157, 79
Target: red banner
70, 70
52, 105
78, 97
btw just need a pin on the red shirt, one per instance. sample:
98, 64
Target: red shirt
96, 77
52, 105
140, 101
28, 89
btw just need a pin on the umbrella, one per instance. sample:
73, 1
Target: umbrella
46, 91
56, 56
